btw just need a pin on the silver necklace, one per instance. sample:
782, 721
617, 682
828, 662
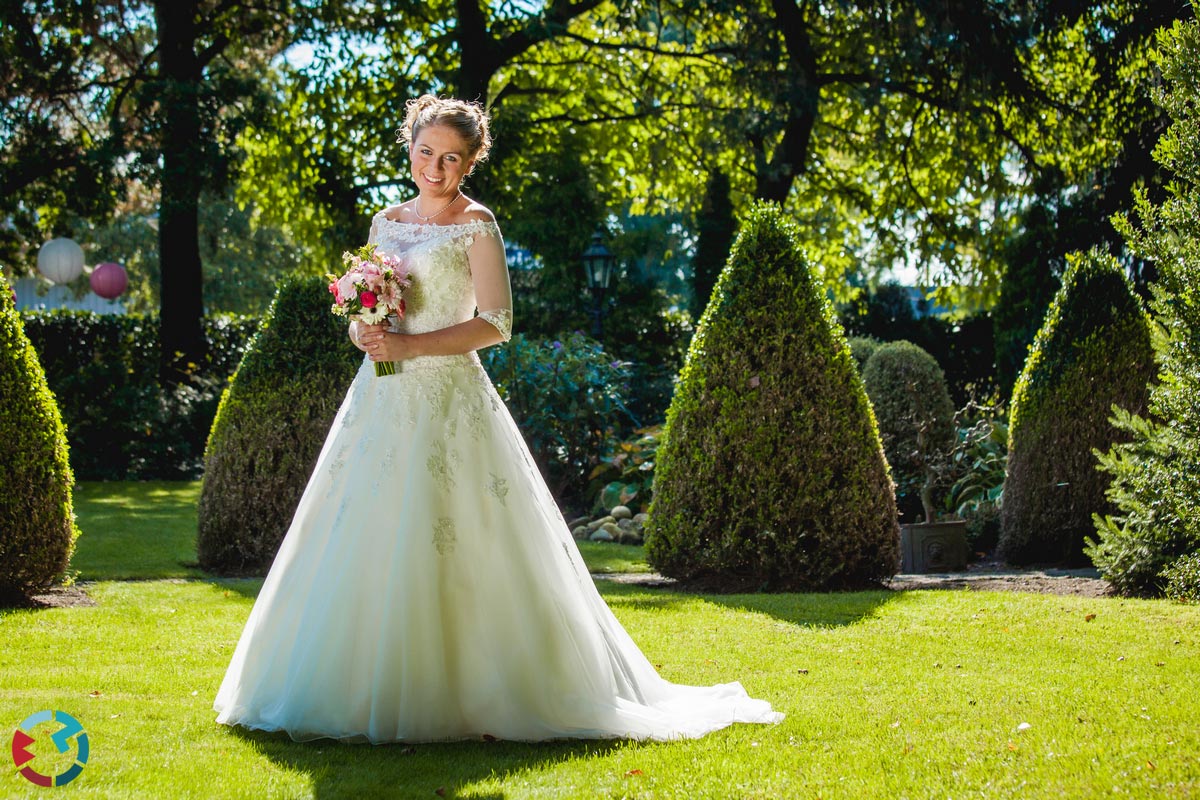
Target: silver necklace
424, 218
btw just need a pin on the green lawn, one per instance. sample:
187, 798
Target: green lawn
888, 694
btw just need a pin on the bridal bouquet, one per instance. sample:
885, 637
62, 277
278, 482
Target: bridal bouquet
371, 289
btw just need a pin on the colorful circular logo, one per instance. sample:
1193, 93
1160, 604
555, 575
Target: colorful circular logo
23, 738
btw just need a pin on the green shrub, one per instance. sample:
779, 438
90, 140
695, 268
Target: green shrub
269, 428
861, 349
1182, 578
1156, 477
1092, 351
37, 526
121, 423
568, 398
980, 460
771, 474
916, 420
625, 476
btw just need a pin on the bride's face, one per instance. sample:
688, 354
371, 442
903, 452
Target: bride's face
440, 161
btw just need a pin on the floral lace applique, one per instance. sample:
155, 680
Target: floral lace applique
499, 488
444, 536
442, 463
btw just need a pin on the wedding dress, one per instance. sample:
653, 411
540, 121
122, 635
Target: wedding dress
428, 588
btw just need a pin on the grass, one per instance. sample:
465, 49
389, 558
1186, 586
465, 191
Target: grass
888, 694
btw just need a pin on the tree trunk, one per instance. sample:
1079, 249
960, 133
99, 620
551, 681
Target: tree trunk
179, 73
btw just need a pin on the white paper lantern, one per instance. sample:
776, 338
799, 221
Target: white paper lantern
61, 260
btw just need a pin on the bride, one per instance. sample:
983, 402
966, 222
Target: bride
428, 588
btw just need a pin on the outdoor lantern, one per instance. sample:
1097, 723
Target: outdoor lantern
109, 280
60, 260
598, 264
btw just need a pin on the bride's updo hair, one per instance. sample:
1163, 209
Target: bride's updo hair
467, 119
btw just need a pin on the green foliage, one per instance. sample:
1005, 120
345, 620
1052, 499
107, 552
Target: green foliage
1156, 476
37, 526
625, 476
1092, 351
270, 425
121, 422
861, 349
916, 420
568, 399
980, 459
1182, 578
715, 229
771, 473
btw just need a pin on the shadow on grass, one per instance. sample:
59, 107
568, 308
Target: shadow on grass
339, 769
812, 610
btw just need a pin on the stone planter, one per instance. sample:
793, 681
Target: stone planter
936, 547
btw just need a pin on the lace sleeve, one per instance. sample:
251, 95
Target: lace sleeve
373, 236
489, 272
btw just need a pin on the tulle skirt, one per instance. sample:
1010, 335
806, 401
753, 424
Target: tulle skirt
428, 590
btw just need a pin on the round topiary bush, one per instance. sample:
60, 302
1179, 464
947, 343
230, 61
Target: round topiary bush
37, 526
771, 475
1093, 351
916, 419
269, 428
862, 348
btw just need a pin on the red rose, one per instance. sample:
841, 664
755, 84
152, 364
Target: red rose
367, 299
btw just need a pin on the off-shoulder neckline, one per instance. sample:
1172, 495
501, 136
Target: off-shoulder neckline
383, 215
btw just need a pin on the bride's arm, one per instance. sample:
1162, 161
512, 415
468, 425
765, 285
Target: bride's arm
493, 297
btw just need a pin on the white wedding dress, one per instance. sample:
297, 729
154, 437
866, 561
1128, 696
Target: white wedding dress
428, 588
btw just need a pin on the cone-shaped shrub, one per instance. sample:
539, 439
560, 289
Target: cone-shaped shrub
771, 475
1092, 351
37, 526
916, 419
270, 426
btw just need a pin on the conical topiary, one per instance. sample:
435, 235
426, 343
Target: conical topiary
771, 474
916, 419
1092, 351
270, 426
37, 526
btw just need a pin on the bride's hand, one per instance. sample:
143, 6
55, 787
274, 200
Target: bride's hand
380, 344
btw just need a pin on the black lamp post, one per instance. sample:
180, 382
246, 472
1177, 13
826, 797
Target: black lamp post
598, 265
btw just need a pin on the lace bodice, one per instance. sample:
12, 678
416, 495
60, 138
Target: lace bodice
455, 270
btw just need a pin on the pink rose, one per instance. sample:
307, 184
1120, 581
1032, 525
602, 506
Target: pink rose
334, 291
367, 299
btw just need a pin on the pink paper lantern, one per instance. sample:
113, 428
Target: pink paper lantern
109, 280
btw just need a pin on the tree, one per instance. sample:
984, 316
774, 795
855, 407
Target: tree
770, 474
119, 86
715, 229
1156, 476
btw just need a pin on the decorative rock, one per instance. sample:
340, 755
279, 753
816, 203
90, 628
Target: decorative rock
622, 512
575, 523
601, 535
640, 519
612, 529
625, 524
580, 532
597, 524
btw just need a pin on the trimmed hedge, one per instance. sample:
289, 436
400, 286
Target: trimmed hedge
37, 526
1093, 351
771, 475
121, 423
270, 426
916, 420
